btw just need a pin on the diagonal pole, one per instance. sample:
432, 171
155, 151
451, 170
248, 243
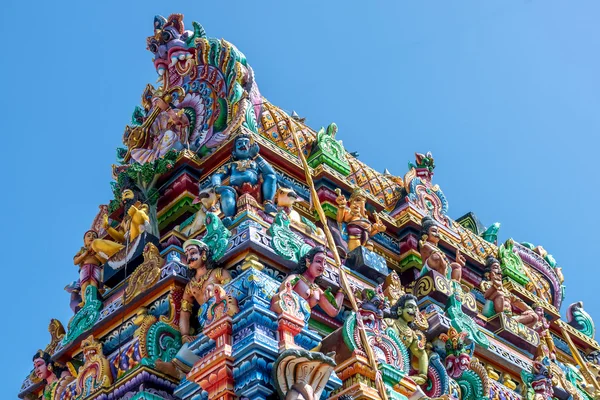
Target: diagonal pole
338, 262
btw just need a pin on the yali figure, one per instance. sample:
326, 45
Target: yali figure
500, 300
360, 228
433, 258
249, 173
197, 290
304, 278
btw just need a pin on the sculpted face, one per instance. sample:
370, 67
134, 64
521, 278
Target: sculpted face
433, 234
194, 257
242, 148
317, 266
357, 206
89, 238
496, 271
40, 368
409, 312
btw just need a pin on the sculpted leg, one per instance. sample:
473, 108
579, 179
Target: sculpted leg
269, 187
106, 248
228, 199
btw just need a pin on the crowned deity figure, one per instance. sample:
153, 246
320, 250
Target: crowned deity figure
89, 263
432, 257
403, 316
304, 281
198, 290
500, 300
54, 376
360, 228
133, 224
248, 173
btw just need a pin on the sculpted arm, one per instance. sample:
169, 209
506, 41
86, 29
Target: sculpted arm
218, 176
79, 257
186, 311
326, 303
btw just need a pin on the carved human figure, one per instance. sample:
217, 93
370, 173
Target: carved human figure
503, 301
56, 377
89, 264
197, 290
304, 278
354, 214
403, 314
245, 171
132, 225
433, 258
542, 327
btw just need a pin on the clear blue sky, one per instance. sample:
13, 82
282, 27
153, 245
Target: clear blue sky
506, 94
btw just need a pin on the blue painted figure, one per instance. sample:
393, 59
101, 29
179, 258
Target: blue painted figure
249, 173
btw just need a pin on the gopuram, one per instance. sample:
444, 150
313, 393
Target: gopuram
246, 255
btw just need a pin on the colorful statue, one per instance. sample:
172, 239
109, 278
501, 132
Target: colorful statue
90, 263
285, 199
304, 278
511, 263
55, 376
95, 373
285, 242
500, 300
198, 289
209, 202
403, 314
133, 224
360, 228
538, 382
392, 287
542, 327
245, 171
579, 319
435, 259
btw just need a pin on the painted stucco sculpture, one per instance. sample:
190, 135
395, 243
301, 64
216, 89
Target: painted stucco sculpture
248, 173
306, 281
354, 215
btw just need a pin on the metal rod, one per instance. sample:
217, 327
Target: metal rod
343, 278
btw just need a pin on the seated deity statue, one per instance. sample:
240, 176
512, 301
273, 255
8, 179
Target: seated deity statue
198, 290
304, 281
500, 300
360, 228
90, 264
133, 224
249, 173
403, 315
432, 257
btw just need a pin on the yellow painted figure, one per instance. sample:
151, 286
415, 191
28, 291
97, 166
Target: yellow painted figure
130, 228
359, 227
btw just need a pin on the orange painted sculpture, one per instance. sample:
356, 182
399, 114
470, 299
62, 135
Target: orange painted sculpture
360, 228
198, 289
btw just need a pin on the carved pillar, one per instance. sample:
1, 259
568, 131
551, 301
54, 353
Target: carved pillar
214, 372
